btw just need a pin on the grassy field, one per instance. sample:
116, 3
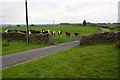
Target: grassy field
95, 61
111, 25
17, 46
69, 28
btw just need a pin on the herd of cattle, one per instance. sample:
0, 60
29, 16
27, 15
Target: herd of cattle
42, 32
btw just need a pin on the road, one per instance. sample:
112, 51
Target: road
29, 55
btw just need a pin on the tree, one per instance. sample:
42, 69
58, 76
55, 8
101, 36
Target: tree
32, 25
84, 22
18, 25
9, 26
65, 23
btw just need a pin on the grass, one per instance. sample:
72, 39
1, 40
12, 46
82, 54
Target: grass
118, 29
69, 28
95, 61
18, 46
0, 74
79, 29
111, 25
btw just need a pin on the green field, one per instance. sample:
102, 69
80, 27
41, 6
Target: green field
95, 61
17, 46
111, 25
68, 28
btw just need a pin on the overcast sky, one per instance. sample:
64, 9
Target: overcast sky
71, 11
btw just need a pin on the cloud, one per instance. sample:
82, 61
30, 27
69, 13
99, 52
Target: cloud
119, 12
45, 11
12, 12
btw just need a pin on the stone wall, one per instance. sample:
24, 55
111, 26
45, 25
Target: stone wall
99, 38
34, 38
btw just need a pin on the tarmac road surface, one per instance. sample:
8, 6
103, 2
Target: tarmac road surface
29, 55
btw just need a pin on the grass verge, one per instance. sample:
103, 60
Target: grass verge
9, 46
95, 61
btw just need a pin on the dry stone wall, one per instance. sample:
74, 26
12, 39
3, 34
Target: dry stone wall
99, 38
34, 38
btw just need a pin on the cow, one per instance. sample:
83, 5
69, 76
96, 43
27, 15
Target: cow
76, 34
59, 33
53, 33
67, 34
19, 31
8, 31
48, 31
23, 31
33, 32
42, 31
15, 31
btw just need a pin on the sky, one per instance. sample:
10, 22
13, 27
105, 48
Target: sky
59, 11
119, 11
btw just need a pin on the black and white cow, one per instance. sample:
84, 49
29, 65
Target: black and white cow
59, 33
8, 31
53, 33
